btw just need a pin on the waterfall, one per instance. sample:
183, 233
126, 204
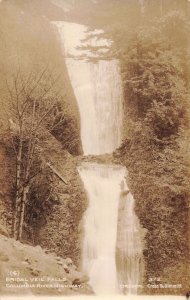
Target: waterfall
111, 229
98, 90
103, 186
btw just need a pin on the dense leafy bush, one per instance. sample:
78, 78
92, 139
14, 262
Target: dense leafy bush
155, 145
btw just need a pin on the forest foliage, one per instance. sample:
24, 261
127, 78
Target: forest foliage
35, 109
155, 149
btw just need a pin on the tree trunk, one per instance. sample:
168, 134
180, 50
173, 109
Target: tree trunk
18, 192
22, 212
26, 180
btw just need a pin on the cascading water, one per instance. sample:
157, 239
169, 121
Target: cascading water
103, 186
98, 90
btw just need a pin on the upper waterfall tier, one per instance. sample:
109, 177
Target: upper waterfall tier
97, 87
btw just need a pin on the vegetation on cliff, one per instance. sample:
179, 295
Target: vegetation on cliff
155, 149
155, 76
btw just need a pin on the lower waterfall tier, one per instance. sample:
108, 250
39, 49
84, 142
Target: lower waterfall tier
111, 230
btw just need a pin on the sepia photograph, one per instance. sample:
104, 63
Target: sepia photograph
95, 149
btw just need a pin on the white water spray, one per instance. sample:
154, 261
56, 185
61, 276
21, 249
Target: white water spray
98, 90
